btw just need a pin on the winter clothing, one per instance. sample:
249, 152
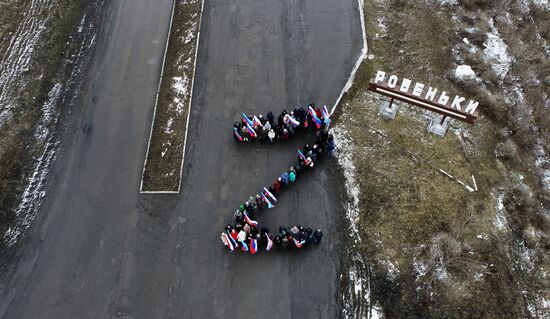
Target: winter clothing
285, 179
277, 187
292, 176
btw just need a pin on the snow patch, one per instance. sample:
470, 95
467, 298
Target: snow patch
500, 221
181, 88
496, 52
344, 154
465, 72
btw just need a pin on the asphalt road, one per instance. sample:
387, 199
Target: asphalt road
106, 251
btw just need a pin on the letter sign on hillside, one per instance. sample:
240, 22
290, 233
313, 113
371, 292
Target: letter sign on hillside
430, 99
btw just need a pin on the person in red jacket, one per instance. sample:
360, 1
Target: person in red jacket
277, 186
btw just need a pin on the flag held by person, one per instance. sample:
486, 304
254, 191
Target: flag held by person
326, 115
232, 240
227, 242
244, 246
268, 193
237, 134
266, 200
249, 221
294, 122
248, 121
269, 242
298, 243
302, 156
251, 130
253, 246
314, 117
257, 121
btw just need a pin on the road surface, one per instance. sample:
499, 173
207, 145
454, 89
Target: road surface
104, 250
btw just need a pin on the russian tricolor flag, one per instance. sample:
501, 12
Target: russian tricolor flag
257, 121
237, 134
244, 246
326, 115
251, 130
315, 118
294, 122
269, 242
269, 205
227, 241
298, 243
248, 121
253, 246
232, 240
249, 221
302, 156
268, 193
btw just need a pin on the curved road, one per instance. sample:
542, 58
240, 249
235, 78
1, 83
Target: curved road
103, 250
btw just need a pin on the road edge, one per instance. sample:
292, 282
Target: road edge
360, 59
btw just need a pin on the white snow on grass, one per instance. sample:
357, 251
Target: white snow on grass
500, 221
181, 86
17, 57
31, 198
465, 72
344, 154
448, 2
44, 133
543, 4
496, 52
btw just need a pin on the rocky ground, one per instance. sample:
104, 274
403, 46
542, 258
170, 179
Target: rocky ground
423, 244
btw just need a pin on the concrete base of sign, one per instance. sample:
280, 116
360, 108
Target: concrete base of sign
388, 111
436, 127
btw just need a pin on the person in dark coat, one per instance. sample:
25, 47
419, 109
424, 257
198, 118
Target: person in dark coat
270, 117
285, 243
317, 151
299, 168
318, 235
277, 240
330, 145
281, 120
310, 240
324, 137
238, 216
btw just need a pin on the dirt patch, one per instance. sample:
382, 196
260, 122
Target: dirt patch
163, 164
425, 246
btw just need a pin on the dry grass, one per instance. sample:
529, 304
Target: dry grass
17, 144
431, 248
165, 154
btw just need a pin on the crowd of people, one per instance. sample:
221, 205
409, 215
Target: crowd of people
259, 128
246, 233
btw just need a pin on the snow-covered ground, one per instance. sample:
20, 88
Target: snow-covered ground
66, 90
17, 57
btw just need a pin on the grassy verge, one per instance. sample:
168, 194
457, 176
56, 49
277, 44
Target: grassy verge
429, 248
163, 164
18, 146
